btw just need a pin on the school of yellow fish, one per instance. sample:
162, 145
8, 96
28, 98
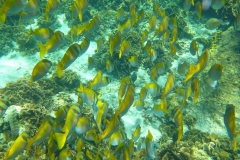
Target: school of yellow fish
68, 127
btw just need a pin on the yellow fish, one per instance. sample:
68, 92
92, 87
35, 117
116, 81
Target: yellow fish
215, 72
92, 25
69, 57
91, 135
165, 37
96, 80
168, 86
149, 145
32, 6
99, 44
230, 124
212, 23
181, 96
143, 94
174, 36
144, 37
179, 122
125, 27
187, 4
195, 89
152, 88
52, 44
83, 125
61, 114
124, 48
40, 70
109, 66
90, 63
136, 133
172, 22
133, 14
122, 90
194, 48
202, 63
127, 101
133, 60
42, 133
140, 16
218, 4
152, 23
78, 8
28, 16
65, 154
139, 105
116, 138
11, 7
162, 28
76, 31
114, 42
155, 8
70, 123
101, 113
161, 14
173, 51
17, 147
51, 7
198, 9
120, 14
84, 45
88, 95
111, 128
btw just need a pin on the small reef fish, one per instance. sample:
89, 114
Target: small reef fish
165, 37
149, 145
198, 9
144, 37
212, 23
152, 23
94, 84
126, 154
111, 128
65, 154
179, 122
133, 14
90, 63
155, 8
181, 96
161, 14
11, 7
173, 51
182, 68
139, 105
101, 114
120, 14
42, 133
214, 74
52, 44
127, 102
152, 88
99, 44
88, 95
104, 82
122, 90
174, 36
124, 48
79, 144
70, 123
41, 34
125, 27
154, 72
28, 16
218, 4
230, 124
91, 135
32, 6
76, 31
17, 147
92, 25
79, 8
114, 42
172, 22
61, 114
157, 69
202, 63
162, 28
195, 90
51, 7
194, 48
140, 16
83, 125
109, 66
143, 94
40, 70
69, 57
136, 133
84, 45
187, 4
133, 60
116, 138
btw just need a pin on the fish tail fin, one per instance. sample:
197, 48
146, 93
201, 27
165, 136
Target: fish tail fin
100, 137
2, 16
80, 15
190, 73
61, 138
80, 89
43, 50
60, 69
